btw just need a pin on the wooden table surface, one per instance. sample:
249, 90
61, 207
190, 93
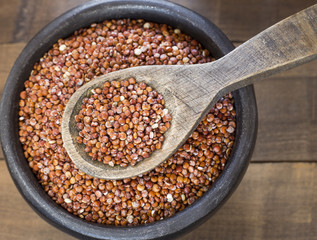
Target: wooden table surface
277, 198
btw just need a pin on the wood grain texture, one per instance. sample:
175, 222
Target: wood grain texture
9, 11
18, 220
274, 201
8, 54
287, 118
287, 108
239, 20
33, 15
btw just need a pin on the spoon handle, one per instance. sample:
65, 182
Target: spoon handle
285, 45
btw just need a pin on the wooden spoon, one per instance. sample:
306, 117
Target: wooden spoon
191, 90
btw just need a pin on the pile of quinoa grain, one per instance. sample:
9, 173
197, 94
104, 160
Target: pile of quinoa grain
99, 49
122, 123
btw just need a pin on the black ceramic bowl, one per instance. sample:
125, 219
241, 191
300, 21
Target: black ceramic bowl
96, 11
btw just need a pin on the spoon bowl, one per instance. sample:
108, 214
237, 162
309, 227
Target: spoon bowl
98, 169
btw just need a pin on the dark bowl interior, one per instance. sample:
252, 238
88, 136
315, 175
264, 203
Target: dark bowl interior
96, 11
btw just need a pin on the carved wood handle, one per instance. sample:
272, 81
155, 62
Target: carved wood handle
285, 45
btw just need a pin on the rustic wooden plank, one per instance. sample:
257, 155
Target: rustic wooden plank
9, 12
8, 54
240, 20
287, 118
287, 107
18, 220
34, 15
274, 201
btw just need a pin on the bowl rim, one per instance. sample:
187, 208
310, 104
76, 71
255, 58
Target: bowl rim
96, 11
